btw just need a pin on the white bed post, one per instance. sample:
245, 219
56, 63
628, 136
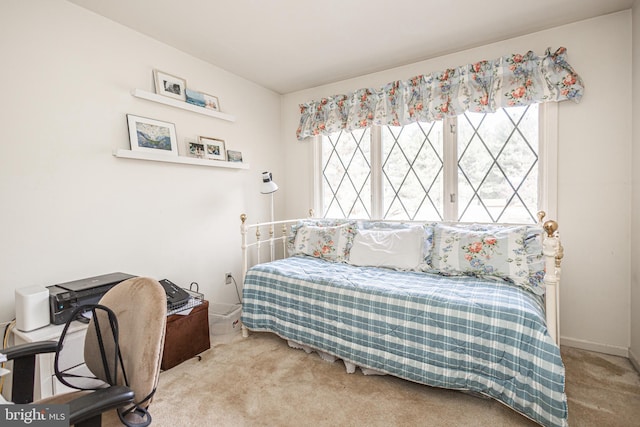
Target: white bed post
553, 253
245, 259
284, 240
258, 244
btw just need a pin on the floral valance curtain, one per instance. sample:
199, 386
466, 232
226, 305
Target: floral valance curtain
484, 86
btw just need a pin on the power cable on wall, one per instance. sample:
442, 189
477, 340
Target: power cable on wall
237, 291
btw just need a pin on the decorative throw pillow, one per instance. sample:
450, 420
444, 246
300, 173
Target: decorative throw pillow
330, 243
498, 252
535, 260
533, 248
318, 222
393, 248
427, 235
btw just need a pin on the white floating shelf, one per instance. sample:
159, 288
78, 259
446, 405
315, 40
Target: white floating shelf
181, 104
143, 155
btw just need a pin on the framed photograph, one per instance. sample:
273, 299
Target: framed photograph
211, 102
234, 156
213, 148
196, 149
202, 100
171, 86
152, 135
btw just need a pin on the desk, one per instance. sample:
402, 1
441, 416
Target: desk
46, 383
186, 336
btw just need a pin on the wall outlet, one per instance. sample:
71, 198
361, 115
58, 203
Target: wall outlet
227, 278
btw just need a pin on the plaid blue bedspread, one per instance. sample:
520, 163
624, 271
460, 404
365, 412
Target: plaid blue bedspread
454, 332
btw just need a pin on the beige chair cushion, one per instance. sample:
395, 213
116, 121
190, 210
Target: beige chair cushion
140, 306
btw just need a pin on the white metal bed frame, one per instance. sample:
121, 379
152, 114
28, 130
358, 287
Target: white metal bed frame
552, 251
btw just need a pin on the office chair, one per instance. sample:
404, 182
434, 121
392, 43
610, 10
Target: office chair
122, 349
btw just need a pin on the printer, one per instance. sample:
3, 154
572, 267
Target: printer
65, 297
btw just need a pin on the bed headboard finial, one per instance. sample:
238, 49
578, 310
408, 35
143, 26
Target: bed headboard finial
541, 215
243, 218
550, 227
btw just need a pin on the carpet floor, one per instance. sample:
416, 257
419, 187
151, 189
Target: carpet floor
261, 381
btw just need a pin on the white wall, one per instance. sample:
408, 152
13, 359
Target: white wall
72, 210
594, 168
634, 351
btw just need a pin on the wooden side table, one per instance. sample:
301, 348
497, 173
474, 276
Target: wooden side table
186, 336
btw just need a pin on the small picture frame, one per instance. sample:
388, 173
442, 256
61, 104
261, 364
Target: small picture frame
213, 148
168, 85
195, 149
234, 156
202, 100
152, 135
211, 102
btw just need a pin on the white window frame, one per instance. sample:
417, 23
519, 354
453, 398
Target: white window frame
547, 167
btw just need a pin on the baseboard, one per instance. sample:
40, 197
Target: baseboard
597, 347
634, 360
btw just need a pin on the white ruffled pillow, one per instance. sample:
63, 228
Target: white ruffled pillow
392, 248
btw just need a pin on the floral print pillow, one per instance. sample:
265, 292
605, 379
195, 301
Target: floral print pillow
319, 222
493, 252
330, 243
533, 249
535, 259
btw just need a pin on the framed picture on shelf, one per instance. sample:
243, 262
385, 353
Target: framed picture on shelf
171, 86
152, 135
234, 156
195, 149
213, 148
202, 100
211, 102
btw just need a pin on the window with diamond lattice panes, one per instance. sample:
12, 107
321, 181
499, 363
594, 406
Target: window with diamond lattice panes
498, 165
412, 169
473, 168
346, 175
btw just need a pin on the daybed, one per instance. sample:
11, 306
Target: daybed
458, 306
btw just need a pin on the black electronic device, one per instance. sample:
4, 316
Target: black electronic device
65, 297
176, 296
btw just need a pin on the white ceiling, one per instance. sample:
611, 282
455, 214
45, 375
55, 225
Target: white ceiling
289, 45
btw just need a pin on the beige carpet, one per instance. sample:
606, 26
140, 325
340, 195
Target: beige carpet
260, 381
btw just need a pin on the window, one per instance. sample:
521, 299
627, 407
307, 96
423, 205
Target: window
475, 167
346, 175
413, 171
